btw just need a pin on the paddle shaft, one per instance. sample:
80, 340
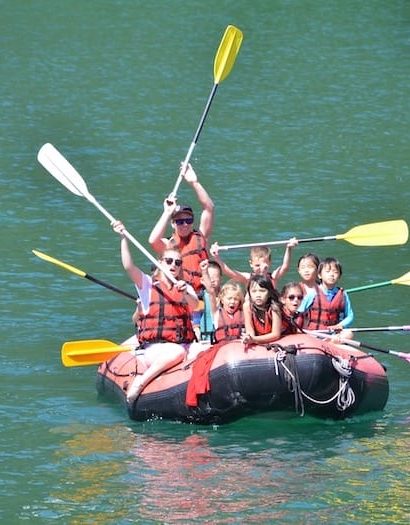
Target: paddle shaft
368, 287
359, 344
194, 140
81, 273
404, 279
110, 287
370, 329
276, 243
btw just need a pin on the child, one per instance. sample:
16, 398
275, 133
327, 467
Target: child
211, 279
260, 262
308, 266
292, 320
328, 306
227, 312
261, 312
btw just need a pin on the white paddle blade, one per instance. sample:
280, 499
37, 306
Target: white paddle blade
52, 160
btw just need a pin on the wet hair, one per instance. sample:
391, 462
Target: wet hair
328, 262
290, 285
231, 286
312, 257
260, 251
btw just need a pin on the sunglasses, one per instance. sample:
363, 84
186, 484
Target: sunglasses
170, 260
187, 220
292, 297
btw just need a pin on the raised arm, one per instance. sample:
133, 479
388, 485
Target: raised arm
207, 216
287, 257
206, 281
241, 277
157, 238
136, 275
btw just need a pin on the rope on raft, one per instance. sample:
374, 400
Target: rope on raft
345, 396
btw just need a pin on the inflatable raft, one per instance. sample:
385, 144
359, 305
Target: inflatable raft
298, 373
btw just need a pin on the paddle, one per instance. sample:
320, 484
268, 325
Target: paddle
223, 63
76, 271
90, 352
386, 233
404, 328
358, 344
63, 171
404, 279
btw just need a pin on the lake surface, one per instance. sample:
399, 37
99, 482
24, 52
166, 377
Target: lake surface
308, 136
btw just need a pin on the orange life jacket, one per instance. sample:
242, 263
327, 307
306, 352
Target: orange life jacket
322, 312
193, 250
229, 327
168, 318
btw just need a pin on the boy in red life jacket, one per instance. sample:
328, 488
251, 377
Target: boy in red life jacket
328, 306
292, 320
164, 319
260, 261
308, 266
262, 312
190, 242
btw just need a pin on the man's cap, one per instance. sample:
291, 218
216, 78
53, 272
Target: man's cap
182, 209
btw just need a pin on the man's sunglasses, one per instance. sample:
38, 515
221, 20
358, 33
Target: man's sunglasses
187, 220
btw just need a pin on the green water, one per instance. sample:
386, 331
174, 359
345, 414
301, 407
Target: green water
308, 136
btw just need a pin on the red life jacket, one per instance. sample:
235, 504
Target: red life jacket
323, 313
229, 327
292, 324
262, 326
168, 318
193, 250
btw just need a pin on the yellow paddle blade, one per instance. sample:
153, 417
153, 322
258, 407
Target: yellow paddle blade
404, 279
89, 352
64, 265
226, 54
388, 233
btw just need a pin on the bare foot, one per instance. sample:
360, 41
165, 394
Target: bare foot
134, 390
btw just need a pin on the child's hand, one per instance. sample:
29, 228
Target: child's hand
335, 328
292, 242
204, 265
214, 250
246, 339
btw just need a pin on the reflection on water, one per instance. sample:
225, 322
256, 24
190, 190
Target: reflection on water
253, 472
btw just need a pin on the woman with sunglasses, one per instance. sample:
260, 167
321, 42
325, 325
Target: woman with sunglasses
191, 242
291, 297
164, 318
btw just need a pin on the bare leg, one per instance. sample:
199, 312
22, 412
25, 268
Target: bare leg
159, 357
